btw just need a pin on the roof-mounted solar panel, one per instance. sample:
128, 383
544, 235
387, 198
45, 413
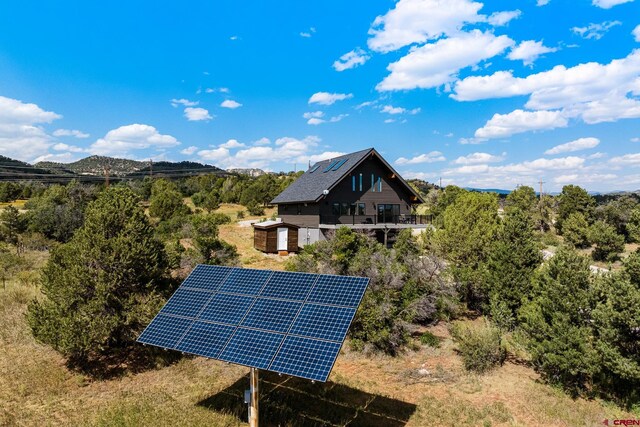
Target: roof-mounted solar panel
285, 322
314, 168
331, 165
340, 163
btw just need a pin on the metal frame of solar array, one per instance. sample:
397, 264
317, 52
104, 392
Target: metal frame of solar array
290, 323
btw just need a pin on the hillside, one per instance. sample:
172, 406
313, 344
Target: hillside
11, 169
174, 169
94, 165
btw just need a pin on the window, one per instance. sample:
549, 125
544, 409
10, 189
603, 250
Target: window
360, 209
331, 165
353, 183
373, 183
360, 182
380, 184
314, 168
337, 165
345, 209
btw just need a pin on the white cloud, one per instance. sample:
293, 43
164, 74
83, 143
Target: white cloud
197, 114
528, 51
308, 34
326, 98
313, 114
417, 21
389, 109
189, 150
518, 121
431, 157
325, 156
68, 132
232, 143
215, 154
635, 139
123, 140
542, 2
351, 59
499, 19
636, 33
21, 137
67, 157
475, 158
438, 63
596, 156
591, 91
13, 111
576, 145
608, 4
233, 38
389, 120
262, 141
67, 147
626, 160
184, 102
319, 121
229, 103
595, 31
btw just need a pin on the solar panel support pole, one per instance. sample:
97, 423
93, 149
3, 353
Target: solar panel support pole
253, 402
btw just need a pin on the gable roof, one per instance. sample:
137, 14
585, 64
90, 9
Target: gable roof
310, 186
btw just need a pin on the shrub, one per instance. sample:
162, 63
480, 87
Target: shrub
480, 346
240, 215
103, 287
608, 243
430, 340
254, 208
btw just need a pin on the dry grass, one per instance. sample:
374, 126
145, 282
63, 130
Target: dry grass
37, 389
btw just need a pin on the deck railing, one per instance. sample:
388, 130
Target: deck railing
375, 219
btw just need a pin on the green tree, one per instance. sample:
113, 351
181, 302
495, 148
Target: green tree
608, 243
470, 225
615, 320
166, 201
59, 211
576, 230
103, 287
617, 213
510, 266
14, 224
633, 225
573, 199
632, 267
543, 214
522, 198
556, 322
445, 198
213, 250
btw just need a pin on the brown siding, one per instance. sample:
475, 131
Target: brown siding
393, 191
292, 243
260, 239
266, 240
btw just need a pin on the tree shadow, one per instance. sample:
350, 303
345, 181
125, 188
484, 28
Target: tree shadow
291, 401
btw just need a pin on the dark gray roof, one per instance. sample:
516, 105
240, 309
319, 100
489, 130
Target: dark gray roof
310, 186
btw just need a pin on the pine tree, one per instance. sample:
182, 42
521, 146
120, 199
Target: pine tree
575, 230
104, 286
512, 261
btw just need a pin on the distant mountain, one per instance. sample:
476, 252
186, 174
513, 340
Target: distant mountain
11, 169
247, 171
175, 169
95, 165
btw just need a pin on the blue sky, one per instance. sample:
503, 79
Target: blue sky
484, 94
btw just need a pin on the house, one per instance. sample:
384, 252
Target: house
358, 190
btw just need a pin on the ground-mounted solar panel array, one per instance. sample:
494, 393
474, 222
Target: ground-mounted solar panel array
286, 322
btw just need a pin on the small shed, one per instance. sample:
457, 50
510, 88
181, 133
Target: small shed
275, 236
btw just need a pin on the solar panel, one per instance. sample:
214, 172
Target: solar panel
245, 281
252, 348
272, 315
323, 321
339, 290
165, 331
306, 358
286, 322
205, 339
205, 277
332, 164
186, 302
314, 168
287, 285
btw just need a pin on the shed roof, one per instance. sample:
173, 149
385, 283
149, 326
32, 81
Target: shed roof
311, 185
273, 223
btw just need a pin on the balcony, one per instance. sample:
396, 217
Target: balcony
379, 221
